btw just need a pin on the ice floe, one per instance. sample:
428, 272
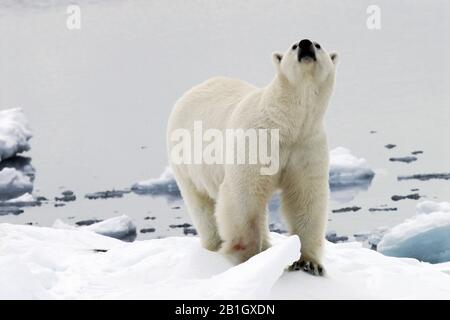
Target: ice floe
425, 236
16, 172
164, 185
346, 170
15, 133
49, 263
13, 183
25, 200
122, 227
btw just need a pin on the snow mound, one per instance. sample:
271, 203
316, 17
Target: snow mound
122, 228
425, 237
42, 263
13, 183
14, 133
346, 171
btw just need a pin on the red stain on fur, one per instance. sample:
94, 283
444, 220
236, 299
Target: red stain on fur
239, 247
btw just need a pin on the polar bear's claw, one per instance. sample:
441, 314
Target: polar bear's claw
308, 266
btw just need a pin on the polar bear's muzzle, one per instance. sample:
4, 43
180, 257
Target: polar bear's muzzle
306, 51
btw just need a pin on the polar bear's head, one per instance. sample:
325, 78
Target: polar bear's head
306, 62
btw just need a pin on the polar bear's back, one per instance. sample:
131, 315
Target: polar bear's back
211, 102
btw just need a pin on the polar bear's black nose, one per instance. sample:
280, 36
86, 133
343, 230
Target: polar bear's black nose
306, 51
305, 44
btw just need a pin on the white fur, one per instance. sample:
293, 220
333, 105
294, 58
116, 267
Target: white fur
228, 202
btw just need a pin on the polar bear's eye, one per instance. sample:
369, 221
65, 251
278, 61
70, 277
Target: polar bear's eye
317, 45
294, 47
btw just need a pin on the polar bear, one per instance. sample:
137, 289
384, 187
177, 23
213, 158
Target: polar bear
227, 202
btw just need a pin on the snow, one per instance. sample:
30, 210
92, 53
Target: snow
13, 183
122, 227
346, 171
14, 133
425, 236
354, 272
25, 284
41, 263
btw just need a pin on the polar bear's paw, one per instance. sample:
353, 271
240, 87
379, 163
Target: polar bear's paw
308, 266
212, 243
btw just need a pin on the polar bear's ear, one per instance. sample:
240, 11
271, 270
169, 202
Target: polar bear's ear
277, 57
334, 57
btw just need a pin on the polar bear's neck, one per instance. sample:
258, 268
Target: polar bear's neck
297, 111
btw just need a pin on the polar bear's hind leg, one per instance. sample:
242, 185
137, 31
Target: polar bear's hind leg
242, 224
201, 208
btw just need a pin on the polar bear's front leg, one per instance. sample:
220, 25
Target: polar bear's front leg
241, 214
304, 205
